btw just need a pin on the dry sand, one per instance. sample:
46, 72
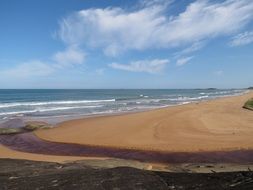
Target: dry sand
13, 154
214, 125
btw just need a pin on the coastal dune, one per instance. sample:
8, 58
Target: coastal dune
214, 125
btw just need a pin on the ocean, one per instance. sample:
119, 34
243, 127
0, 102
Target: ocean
52, 104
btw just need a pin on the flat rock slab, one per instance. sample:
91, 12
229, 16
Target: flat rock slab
25, 175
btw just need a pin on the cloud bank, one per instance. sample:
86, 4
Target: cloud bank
29, 69
183, 61
70, 56
149, 66
36, 68
115, 30
242, 39
149, 25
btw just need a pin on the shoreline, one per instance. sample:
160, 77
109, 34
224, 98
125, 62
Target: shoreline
146, 110
55, 120
91, 120
27, 142
160, 111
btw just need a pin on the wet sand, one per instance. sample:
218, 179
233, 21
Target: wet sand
215, 125
6, 152
217, 131
27, 142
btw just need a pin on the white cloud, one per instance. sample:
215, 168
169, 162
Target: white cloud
194, 47
148, 26
148, 66
70, 56
60, 61
242, 39
100, 71
29, 69
183, 61
116, 30
219, 72
145, 3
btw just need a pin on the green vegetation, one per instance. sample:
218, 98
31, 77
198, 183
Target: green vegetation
249, 104
32, 127
28, 127
9, 131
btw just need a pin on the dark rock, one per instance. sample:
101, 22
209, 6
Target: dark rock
23, 174
15, 126
33, 127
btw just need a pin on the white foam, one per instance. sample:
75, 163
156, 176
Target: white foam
228, 92
66, 108
16, 104
47, 110
18, 112
188, 98
183, 103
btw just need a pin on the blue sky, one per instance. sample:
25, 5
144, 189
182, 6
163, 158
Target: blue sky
126, 44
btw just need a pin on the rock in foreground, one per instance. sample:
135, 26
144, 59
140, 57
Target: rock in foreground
22, 174
16, 126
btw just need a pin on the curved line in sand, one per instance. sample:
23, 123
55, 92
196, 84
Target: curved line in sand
28, 142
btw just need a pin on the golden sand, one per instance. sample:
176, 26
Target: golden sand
220, 124
13, 154
214, 125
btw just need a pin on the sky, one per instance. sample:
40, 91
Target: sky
89, 44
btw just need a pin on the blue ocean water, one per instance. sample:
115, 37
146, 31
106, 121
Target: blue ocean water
41, 104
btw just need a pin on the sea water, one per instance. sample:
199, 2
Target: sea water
46, 104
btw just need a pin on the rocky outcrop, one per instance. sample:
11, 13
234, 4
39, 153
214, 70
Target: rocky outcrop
16, 126
25, 175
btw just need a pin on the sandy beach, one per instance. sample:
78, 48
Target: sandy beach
214, 125
121, 95
13, 154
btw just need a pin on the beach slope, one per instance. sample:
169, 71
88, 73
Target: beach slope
214, 125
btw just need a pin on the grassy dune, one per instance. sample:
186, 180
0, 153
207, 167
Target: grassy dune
249, 104
8, 131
